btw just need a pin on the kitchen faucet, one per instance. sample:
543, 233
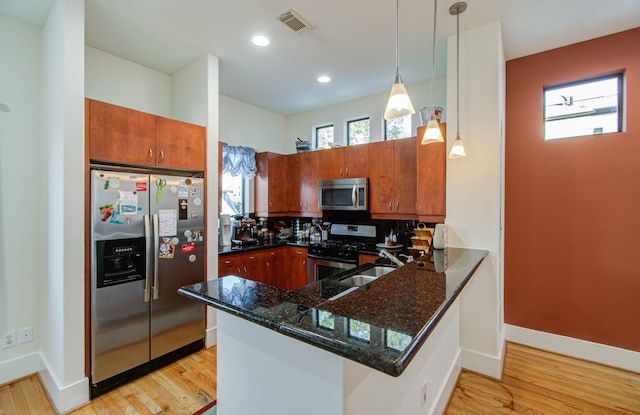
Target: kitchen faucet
386, 254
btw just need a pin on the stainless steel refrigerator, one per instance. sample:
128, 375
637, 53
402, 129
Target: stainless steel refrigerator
147, 241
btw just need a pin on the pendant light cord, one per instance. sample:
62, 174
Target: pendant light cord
458, 74
397, 24
433, 60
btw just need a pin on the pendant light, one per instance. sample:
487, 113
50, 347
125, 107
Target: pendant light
458, 148
399, 102
433, 134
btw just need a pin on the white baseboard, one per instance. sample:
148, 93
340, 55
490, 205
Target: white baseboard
210, 337
444, 395
582, 349
20, 367
64, 398
483, 363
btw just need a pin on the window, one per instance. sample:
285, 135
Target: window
232, 194
358, 131
583, 108
238, 166
324, 136
398, 128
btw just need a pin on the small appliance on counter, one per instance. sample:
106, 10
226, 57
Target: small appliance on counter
243, 229
225, 230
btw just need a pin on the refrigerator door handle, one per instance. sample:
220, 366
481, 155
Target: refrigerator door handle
156, 249
148, 253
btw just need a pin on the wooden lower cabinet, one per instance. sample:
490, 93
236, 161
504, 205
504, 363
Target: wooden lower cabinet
295, 271
284, 267
364, 258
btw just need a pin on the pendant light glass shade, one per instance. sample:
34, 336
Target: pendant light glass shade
458, 148
432, 134
399, 103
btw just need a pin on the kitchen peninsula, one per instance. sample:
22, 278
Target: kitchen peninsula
378, 349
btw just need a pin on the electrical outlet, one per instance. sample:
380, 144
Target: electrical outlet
424, 394
8, 339
25, 335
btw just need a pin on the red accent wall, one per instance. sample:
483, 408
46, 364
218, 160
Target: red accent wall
572, 206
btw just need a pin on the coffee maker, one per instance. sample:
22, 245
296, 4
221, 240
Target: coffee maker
242, 232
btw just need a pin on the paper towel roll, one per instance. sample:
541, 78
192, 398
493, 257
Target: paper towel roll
440, 237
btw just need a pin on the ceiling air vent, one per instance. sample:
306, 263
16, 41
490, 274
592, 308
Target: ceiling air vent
295, 21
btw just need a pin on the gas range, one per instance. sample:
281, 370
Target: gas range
336, 250
349, 240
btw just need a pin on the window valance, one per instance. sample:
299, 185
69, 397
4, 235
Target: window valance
238, 160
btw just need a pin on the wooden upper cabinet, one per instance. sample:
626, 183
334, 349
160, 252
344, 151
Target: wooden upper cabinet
356, 161
121, 135
405, 175
331, 163
431, 178
302, 183
381, 177
344, 162
126, 136
392, 179
180, 145
271, 184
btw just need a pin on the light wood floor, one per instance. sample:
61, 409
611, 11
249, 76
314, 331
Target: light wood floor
537, 382
182, 387
534, 383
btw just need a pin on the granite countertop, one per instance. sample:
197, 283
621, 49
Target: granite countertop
381, 325
235, 249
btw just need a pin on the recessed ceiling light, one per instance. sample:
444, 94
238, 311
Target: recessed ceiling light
260, 40
324, 79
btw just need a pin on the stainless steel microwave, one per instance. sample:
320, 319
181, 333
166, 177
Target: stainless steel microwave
343, 194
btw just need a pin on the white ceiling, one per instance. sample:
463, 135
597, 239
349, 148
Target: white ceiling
354, 40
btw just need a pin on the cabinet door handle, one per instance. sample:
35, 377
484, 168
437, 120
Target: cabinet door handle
161, 156
245, 270
227, 262
150, 154
270, 205
346, 171
340, 171
304, 262
239, 271
397, 205
267, 265
390, 205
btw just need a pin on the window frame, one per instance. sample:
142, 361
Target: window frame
619, 76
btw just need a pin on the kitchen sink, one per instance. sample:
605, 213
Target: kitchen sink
377, 271
358, 280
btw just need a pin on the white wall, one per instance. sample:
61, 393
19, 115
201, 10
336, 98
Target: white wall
20, 193
63, 205
302, 125
242, 124
474, 188
117, 81
195, 99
